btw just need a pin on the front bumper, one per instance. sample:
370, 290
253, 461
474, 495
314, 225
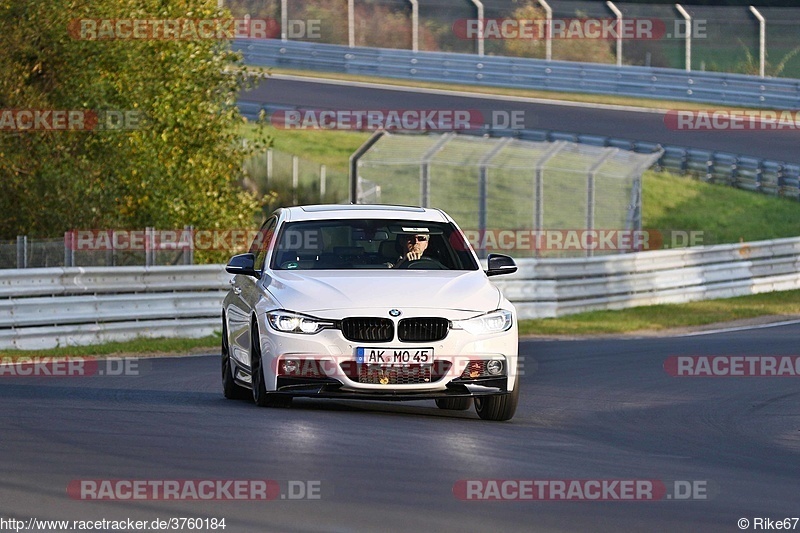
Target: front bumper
336, 356
299, 387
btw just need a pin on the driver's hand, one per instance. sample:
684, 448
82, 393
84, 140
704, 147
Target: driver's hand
413, 256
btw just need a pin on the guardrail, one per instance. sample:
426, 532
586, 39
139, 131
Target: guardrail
43, 308
544, 288
49, 307
527, 73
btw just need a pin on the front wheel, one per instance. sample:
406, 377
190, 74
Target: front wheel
498, 407
261, 397
230, 389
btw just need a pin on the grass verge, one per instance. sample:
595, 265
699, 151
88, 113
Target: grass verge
140, 347
332, 148
663, 317
722, 214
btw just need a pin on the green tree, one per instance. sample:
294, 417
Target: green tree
181, 165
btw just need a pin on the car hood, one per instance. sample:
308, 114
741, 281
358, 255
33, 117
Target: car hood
336, 289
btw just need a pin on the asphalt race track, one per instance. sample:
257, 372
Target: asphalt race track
585, 119
600, 409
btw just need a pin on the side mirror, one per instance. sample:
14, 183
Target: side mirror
243, 264
500, 264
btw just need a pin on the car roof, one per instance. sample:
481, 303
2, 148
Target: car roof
362, 211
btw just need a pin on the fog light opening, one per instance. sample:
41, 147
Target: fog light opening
494, 367
289, 367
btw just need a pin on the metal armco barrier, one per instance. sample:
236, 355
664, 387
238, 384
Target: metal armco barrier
41, 308
48, 307
526, 73
544, 288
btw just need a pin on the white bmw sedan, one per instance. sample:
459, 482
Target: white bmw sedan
369, 302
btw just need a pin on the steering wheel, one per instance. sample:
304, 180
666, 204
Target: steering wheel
423, 263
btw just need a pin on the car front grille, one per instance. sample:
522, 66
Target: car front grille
423, 329
395, 375
367, 329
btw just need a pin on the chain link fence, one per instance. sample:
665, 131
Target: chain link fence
278, 177
97, 249
724, 38
492, 186
294, 179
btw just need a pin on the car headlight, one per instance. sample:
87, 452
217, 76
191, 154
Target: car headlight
289, 322
494, 322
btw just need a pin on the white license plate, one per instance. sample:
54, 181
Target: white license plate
394, 356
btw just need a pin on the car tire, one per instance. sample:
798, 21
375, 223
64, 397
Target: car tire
454, 404
498, 407
230, 389
261, 397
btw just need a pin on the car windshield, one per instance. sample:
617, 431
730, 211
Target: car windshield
371, 244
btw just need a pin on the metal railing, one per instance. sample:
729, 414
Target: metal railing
43, 308
556, 287
46, 308
527, 73
694, 37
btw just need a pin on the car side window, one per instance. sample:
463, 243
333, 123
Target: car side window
260, 245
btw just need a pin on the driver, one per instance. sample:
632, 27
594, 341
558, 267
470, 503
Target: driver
414, 245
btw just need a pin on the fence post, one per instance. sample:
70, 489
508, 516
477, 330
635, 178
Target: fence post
425, 165
548, 36
284, 20
188, 253
269, 165
323, 177
22, 256
590, 178
483, 189
618, 14
149, 244
688, 19
762, 40
351, 24
479, 7
363, 149
414, 25
295, 178
538, 188
68, 246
